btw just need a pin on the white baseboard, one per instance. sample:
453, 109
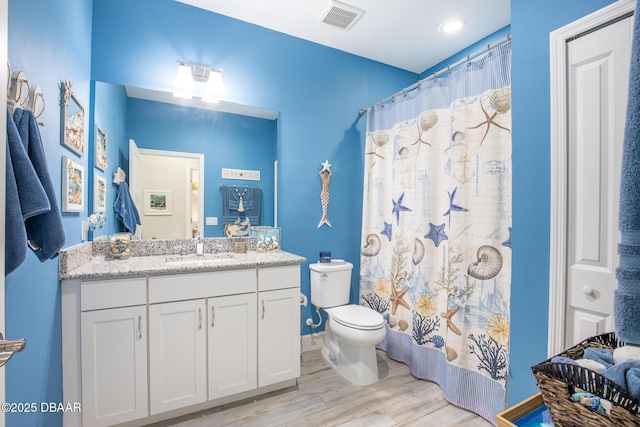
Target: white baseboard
313, 341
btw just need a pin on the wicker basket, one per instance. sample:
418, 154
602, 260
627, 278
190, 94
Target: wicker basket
558, 381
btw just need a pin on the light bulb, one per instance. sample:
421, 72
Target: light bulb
183, 84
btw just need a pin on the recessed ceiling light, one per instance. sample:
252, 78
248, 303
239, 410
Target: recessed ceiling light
452, 26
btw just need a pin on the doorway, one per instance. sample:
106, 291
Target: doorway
589, 79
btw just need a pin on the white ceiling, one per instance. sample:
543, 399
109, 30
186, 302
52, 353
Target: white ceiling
401, 33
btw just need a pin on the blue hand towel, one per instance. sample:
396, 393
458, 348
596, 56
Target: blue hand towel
251, 210
600, 355
234, 198
45, 231
627, 375
563, 359
15, 238
227, 216
125, 209
626, 309
33, 198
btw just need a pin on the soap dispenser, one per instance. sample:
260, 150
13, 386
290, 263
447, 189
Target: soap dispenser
199, 245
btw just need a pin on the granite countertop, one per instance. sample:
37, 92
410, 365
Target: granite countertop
104, 267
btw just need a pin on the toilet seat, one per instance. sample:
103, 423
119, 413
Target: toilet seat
357, 317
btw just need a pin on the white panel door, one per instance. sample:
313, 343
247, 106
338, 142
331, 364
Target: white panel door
278, 336
233, 360
598, 76
114, 365
177, 355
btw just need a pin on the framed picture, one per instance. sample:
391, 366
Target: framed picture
157, 202
72, 185
72, 120
99, 193
100, 149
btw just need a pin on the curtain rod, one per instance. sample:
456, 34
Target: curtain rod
438, 73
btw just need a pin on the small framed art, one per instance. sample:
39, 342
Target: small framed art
157, 202
72, 120
99, 193
100, 148
73, 179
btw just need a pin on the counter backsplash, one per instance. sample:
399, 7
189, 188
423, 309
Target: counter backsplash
75, 256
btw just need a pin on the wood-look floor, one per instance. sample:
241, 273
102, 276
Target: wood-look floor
324, 398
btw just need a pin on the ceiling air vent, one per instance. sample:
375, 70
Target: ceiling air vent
341, 15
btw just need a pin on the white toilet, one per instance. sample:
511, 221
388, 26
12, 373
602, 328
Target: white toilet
352, 331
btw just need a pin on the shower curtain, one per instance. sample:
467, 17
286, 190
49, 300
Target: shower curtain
436, 229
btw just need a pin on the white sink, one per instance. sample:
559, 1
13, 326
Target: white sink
194, 260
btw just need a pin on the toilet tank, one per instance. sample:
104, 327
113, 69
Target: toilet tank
330, 283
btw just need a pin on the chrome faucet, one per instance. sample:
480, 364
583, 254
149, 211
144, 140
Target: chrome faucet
199, 245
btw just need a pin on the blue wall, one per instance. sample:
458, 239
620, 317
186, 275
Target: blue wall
227, 141
51, 42
531, 23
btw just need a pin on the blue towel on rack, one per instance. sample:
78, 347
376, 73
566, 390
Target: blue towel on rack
15, 239
251, 210
33, 198
626, 308
234, 198
125, 209
45, 231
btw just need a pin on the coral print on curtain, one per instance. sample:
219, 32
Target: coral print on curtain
436, 238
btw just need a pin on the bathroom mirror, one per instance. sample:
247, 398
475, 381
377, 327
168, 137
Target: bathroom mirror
190, 149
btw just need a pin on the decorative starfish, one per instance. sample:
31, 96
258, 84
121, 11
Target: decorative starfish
507, 242
452, 206
387, 230
488, 122
326, 166
398, 207
436, 234
449, 316
397, 299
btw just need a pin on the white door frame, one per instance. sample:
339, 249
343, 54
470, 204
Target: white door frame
559, 180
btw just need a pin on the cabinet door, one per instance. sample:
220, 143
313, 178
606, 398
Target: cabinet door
278, 336
114, 365
177, 355
232, 345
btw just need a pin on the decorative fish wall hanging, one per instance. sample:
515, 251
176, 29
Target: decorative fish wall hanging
325, 176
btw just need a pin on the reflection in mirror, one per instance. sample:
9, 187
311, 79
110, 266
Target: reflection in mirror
185, 147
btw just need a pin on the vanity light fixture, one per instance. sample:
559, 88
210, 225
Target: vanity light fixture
198, 80
452, 25
183, 84
215, 87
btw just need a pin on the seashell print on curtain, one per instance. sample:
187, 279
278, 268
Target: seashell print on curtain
436, 237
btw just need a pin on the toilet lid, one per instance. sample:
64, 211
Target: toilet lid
357, 316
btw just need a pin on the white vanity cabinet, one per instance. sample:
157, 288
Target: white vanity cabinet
278, 324
232, 351
141, 350
213, 329
113, 327
177, 355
